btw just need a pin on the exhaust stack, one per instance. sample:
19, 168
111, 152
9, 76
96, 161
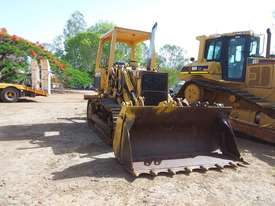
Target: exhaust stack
268, 43
152, 53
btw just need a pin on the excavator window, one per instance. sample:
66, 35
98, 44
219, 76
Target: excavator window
210, 51
232, 53
105, 55
213, 50
254, 46
122, 52
236, 58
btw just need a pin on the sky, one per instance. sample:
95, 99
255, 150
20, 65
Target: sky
179, 21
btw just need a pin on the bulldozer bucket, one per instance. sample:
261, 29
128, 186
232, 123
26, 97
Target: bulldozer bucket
154, 139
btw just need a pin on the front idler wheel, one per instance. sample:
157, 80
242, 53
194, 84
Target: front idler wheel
193, 93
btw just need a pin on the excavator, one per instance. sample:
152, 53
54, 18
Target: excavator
231, 70
151, 133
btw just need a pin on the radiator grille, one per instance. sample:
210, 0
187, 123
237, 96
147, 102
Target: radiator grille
154, 87
259, 76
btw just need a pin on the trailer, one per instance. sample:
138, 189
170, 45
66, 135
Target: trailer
12, 92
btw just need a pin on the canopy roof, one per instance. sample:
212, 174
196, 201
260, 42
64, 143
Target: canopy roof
250, 33
128, 36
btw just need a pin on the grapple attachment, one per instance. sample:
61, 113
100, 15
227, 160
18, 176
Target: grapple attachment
154, 139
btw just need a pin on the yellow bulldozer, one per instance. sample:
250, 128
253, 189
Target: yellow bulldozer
149, 131
231, 70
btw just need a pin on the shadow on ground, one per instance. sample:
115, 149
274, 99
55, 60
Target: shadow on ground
74, 136
66, 137
99, 167
260, 150
21, 100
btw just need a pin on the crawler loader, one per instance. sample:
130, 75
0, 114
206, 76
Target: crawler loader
149, 131
231, 70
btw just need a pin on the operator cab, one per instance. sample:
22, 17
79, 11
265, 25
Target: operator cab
232, 52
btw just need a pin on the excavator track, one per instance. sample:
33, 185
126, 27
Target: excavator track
103, 116
262, 105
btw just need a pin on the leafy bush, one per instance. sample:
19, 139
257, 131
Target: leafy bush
76, 79
14, 65
14, 54
81, 51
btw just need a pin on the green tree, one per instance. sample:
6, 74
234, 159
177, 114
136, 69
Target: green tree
81, 51
76, 79
171, 56
75, 24
122, 49
14, 66
15, 58
82, 47
172, 75
142, 54
101, 27
122, 52
57, 46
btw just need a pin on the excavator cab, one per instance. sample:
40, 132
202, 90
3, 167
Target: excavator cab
226, 55
232, 53
148, 130
108, 43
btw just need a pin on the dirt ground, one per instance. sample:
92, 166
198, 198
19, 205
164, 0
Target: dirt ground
49, 156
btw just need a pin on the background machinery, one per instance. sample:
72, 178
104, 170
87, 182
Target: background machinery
230, 70
11, 92
151, 133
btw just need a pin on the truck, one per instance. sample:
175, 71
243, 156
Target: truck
12, 92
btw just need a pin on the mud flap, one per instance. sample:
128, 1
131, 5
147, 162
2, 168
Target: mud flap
154, 139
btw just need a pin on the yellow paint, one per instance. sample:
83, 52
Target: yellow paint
195, 72
118, 34
37, 92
